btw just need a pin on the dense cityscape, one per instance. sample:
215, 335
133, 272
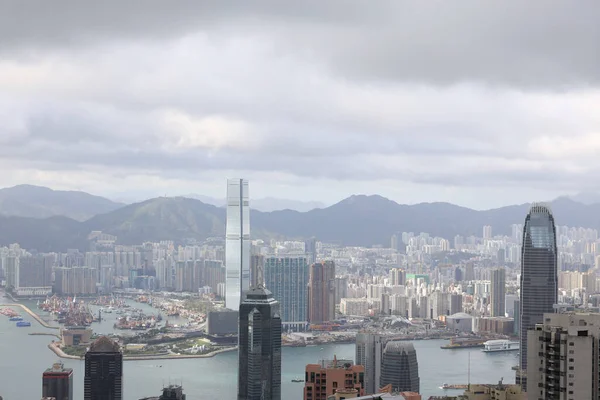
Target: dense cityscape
491, 294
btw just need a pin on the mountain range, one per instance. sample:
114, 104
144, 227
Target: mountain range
358, 220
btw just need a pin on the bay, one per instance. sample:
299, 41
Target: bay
24, 358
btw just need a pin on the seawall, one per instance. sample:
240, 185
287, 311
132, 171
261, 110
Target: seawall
32, 314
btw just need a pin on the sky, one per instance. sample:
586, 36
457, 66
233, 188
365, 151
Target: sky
481, 104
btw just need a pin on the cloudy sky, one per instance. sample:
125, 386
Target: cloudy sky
477, 103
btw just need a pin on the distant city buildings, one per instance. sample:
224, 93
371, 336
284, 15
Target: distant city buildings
238, 244
103, 371
259, 349
321, 292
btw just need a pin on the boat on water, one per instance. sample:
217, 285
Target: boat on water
492, 346
297, 380
464, 342
14, 319
22, 324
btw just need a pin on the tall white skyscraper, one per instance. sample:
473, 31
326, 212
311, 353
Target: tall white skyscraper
237, 246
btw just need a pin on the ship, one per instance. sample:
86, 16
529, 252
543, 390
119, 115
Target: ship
14, 319
297, 380
464, 343
492, 346
22, 324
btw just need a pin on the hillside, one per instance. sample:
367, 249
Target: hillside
41, 202
357, 220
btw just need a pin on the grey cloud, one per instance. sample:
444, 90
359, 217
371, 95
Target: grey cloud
532, 43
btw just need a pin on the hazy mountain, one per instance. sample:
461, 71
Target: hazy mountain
357, 220
587, 198
266, 204
41, 202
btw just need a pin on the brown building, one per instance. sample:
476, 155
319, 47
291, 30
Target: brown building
75, 335
325, 379
498, 325
321, 292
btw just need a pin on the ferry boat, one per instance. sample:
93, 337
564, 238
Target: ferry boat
22, 324
297, 380
14, 319
492, 346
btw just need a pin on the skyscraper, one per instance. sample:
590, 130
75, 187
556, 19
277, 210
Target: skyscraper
321, 292
103, 371
369, 353
57, 382
400, 368
287, 277
539, 282
498, 295
310, 248
237, 246
259, 371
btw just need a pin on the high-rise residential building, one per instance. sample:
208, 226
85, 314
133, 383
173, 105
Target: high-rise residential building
310, 248
287, 278
237, 244
469, 272
57, 382
325, 379
498, 292
487, 232
565, 363
341, 289
321, 292
103, 371
539, 282
397, 276
369, 354
399, 367
214, 274
259, 368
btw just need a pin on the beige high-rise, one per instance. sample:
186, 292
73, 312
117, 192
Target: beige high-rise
563, 361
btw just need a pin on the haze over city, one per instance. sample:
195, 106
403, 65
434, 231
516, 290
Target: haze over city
481, 105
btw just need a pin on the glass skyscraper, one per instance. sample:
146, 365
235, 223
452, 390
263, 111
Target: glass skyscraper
539, 282
259, 354
103, 371
237, 246
287, 278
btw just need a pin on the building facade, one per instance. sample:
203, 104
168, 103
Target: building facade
566, 361
287, 278
259, 344
57, 382
103, 371
325, 379
369, 354
539, 282
498, 293
237, 243
400, 368
321, 292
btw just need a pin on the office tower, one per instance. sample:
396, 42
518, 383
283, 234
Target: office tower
321, 292
259, 370
487, 232
103, 371
237, 244
257, 265
565, 362
369, 353
57, 382
458, 275
539, 283
456, 303
341, 289
324, 379
469, 272
287, 278
399, 367
397, 276
498, 292
310, 248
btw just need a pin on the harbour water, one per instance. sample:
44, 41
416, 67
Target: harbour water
25, 357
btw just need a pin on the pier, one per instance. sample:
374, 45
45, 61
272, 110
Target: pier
32, 314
